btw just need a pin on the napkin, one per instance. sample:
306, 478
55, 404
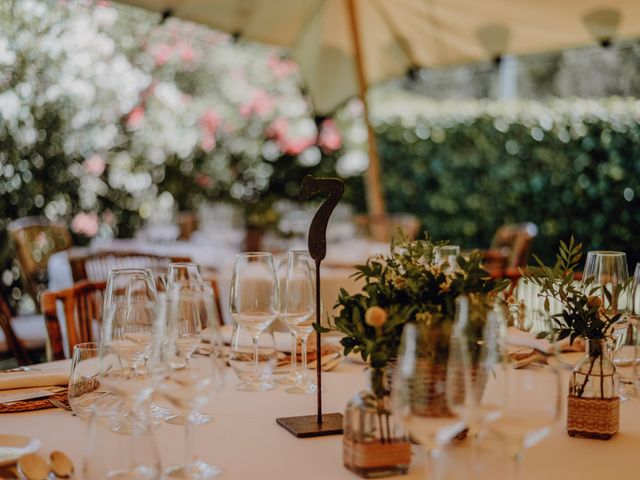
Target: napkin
520, 338
38, 377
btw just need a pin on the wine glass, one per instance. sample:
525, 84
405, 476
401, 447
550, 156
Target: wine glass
131, 321
520, 405
418, 394
188, 376
180, 271
297, 308
446, 254
177, 272
253, 303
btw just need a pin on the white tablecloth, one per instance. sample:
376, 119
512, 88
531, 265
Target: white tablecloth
245, 440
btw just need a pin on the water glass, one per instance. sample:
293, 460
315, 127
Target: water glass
84, 392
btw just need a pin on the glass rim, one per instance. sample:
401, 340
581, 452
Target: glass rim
253, 254
184, 264
607, 253
141, 270
86, 346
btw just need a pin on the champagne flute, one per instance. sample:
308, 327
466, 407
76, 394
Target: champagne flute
290, 378
177, 272
418, 389
297, 306
187, 375
253, 303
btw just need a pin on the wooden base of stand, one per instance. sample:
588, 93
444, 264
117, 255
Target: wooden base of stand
307, 425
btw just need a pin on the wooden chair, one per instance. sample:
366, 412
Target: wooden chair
36, 239
13, 343
95, 266
510, 250
82, 307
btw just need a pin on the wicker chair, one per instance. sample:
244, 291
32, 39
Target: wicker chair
36, 239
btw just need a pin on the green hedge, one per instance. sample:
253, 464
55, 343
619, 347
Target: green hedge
570, 166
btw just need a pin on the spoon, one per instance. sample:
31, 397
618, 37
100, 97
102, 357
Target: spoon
61, 465
33, 467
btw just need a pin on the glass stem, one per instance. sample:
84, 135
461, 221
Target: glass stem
303, 339
294, 353
188, 445
517, 466
429, 467
256, 352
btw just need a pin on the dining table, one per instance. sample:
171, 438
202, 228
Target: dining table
246, 442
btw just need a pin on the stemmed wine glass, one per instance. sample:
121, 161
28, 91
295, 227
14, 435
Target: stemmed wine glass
297, 306
520, 405
131, 324
177, 272
418, 387
253, 303
606, 275
187, 375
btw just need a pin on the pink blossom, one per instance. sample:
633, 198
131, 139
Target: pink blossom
261, 104
135, 117
108, 217
278, 128
208, 142
210, 121
187, 53
329, 138
85, 224
281, 67
95, 165
161, 53
204, 181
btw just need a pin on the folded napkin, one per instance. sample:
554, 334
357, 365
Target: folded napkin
520, 338
40, 376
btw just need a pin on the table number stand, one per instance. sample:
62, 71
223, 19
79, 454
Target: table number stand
328, 423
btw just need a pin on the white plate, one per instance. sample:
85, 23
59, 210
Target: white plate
12, 447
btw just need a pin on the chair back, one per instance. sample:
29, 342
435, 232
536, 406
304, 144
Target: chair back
514, 241
35, 240
95, 266
16, 347
82, 307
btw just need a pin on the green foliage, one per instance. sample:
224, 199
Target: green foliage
409, 288
583, 314
465, 168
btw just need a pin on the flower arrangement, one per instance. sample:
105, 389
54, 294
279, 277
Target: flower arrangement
406, 286
583, 309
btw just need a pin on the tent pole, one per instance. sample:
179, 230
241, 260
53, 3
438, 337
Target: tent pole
375, 197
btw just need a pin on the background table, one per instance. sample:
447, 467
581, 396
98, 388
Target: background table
245, 440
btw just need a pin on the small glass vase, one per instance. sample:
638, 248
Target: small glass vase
593, 409
374, 442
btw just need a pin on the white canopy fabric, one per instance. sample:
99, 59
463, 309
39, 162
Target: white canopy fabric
396, 35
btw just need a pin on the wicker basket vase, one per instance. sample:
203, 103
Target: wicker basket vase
593, 409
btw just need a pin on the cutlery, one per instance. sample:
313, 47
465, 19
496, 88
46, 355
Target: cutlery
33, 467
61, 465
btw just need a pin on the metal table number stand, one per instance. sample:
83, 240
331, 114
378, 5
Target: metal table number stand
327, 423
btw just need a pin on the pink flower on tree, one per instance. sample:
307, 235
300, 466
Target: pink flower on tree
95, 165
329, 138
210, 121
281, 67
135, 117
261, 104
204, 181
187, 52
85, 224
161, 53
